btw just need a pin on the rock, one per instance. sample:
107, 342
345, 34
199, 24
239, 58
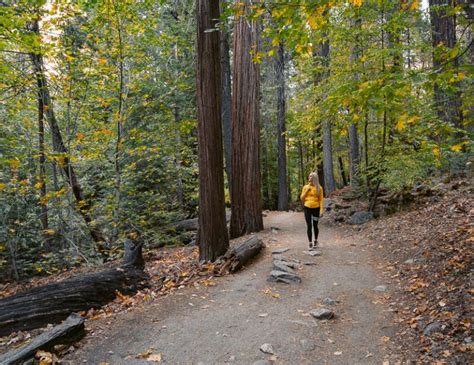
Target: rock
330, 301
432, 328
380, 288
283, 277
274, 229
280, 250
280, 257
322, 313
309, 263
263, 362
266, 348
313, 253
307, 345
409, 261
361, 217
281, 265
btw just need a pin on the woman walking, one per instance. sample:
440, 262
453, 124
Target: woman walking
312, 197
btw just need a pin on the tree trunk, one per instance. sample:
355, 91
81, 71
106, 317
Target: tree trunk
341, 171
212, 237
226, 103
281, 110
58, 145
246, 180
353, 136
443, 32
42, 177
53, 302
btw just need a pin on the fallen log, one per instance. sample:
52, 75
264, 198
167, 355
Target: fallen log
53, 302
236, 257
71, 330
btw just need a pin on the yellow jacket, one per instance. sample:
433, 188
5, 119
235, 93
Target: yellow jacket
311, 199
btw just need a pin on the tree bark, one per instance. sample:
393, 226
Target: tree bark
246, 180
42, 176
443, 32
226, 103
341, 171
281, 110
53, 302
58, 145
212, 237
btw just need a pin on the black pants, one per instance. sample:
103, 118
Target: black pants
311, 215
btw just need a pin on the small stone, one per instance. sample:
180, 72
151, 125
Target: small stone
307, 345
330, 301
280, 250
313, 253
309, 263
280, 257
432, 328
322, 313
380, 288
232, 358
409, 261
283, 277
266, 348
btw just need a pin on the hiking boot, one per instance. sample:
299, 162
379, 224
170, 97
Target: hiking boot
311, 245
315, 244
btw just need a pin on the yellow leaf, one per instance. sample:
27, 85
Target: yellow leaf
14, 164
45, 358
414, 5
357, 2
271, 52
102, 61
413, 119
24, 182
401, 122
38, 185
313, 21
461, 75
38, 268
80, 136
456, 148
49, 232
437, 152
2, 186
385, 339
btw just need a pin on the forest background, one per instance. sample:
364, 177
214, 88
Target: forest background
98, 113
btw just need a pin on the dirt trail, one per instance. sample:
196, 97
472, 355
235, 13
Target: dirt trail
227, 323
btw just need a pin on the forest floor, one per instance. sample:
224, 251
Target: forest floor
227, 323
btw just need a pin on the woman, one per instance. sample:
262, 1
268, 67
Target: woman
312, 197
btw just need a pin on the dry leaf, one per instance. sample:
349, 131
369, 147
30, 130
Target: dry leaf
155, 357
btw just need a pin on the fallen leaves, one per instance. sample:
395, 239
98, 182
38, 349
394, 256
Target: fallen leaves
429, 253
149, 355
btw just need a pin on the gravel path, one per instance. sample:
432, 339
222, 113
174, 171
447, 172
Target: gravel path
228, 323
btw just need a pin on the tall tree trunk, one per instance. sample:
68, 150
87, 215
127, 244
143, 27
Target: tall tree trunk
353, 135
226, 103
246, 180
119, 126
213, 237
42, 176
281, 110
301, 162
58, 145
443, 33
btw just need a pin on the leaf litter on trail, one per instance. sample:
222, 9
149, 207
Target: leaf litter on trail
429, 253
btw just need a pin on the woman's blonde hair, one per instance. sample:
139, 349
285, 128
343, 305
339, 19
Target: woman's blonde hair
315, 181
